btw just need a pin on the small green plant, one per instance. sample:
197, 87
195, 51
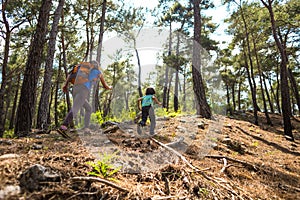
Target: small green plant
8, 134
103, 168
255, 144
97, 118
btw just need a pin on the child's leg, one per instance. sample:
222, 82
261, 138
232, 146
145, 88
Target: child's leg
152, 119
145, 114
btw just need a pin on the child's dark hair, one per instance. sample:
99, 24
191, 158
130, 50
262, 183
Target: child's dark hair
150, 91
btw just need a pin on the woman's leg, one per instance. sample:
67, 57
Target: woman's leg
88, 111
80, 94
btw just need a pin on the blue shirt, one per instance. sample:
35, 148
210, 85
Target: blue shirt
94, 73
147, 100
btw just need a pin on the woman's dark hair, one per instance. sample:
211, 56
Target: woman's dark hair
150, 91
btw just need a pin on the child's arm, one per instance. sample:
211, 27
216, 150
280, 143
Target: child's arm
156, 100
139, 103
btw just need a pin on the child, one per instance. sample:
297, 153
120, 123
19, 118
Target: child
145, 105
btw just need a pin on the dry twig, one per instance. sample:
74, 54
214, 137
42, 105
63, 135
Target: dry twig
249, 165
94, 179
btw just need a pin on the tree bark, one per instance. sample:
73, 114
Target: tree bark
96, 98
253, 88
198, 86
26, 108
165, 91
269, 122
13, 111
176, 102
294, 88
285, 94
43, 110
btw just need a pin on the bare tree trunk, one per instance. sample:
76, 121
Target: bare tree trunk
26, 108
233, 96
239, 95
294, 88
261, 86
176, 106
199, 90
253, 93
268, 94
140, 72
165, 91
42, 116
285, 94
169, 87
13, 111
4, 78
96, 98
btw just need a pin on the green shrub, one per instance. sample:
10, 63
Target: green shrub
103, 168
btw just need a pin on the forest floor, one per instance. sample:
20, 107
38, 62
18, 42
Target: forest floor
189, 158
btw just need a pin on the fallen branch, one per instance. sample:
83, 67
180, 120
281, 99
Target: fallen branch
249, 165
225, 165
183, 159
94, 179
175, 142
176, 153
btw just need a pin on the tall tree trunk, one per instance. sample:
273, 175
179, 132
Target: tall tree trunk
184, 91
253, 92
63, 62
96, 98
4, 78
285, 94
268, 94
140, 72
176, 106
255, 106
294, 88
165, 91
13, 111
228, 100
57, 82
169, 87
239, 95
26, 108
198, 86
42, 116
233, 96
269, 122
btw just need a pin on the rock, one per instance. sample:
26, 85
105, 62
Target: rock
37, 147
181, 129
32, 178
182, 120
201, 125
10, 190
228, 126
7, 142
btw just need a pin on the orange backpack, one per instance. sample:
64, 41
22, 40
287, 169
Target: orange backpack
79, 74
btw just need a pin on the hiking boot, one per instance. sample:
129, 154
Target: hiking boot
63, 131
142, 123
